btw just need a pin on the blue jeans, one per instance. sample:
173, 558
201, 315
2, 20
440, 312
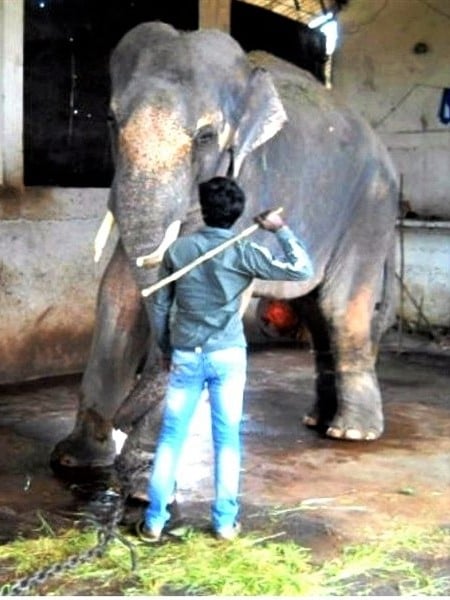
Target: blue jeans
223, 373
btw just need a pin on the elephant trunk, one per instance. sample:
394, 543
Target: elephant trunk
152, 185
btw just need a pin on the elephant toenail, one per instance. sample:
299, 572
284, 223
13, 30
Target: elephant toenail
335, 432
310, 421
353, 434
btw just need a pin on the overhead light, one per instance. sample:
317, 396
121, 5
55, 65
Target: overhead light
327, 24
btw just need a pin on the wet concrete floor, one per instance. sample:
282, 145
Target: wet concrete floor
339, 492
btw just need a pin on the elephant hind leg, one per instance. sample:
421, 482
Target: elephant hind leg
348, 402
324, 409
359, 414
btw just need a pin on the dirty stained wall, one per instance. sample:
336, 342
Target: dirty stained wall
48, 280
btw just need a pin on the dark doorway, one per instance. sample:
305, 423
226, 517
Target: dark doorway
66, 82
258, 29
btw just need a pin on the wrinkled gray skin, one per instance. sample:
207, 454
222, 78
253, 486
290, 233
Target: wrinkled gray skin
179, 102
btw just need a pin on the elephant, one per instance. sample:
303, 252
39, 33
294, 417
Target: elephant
184, 107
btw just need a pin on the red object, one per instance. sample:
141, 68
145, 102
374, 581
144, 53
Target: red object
281, 315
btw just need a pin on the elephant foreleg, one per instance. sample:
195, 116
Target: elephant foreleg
118, 346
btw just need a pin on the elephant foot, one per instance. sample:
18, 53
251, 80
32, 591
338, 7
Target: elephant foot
323, 410
352, 434
342, 433
89, 446
359, 416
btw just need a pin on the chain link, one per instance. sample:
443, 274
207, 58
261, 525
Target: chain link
106, 533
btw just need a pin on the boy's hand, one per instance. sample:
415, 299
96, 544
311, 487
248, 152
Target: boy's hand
270, 220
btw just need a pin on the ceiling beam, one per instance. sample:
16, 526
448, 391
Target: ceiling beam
215, 14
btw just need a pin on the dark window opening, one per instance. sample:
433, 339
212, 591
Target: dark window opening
256, 28
66, 82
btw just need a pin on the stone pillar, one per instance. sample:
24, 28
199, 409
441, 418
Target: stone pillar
215, 14
11, 93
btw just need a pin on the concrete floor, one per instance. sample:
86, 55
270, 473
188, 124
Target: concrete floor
344, 491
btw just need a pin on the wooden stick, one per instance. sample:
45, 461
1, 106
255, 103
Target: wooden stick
203, 258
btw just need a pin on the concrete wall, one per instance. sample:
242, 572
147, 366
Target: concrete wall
423, 261
398, 90
48, 280
11, 93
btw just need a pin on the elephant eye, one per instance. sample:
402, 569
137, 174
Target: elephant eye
205, 135
111, 120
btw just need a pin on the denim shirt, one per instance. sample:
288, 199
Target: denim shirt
201, 309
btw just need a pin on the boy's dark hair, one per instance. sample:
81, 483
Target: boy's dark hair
222, 202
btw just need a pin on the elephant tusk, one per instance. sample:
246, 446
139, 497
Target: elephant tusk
153, 259
102, 235
225, 137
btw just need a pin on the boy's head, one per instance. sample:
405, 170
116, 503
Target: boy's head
222, 202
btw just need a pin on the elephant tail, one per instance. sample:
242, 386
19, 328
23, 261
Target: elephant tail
385, 310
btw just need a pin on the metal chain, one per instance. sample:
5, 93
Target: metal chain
106, 533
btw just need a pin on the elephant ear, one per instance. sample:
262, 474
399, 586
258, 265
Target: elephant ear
263, 116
